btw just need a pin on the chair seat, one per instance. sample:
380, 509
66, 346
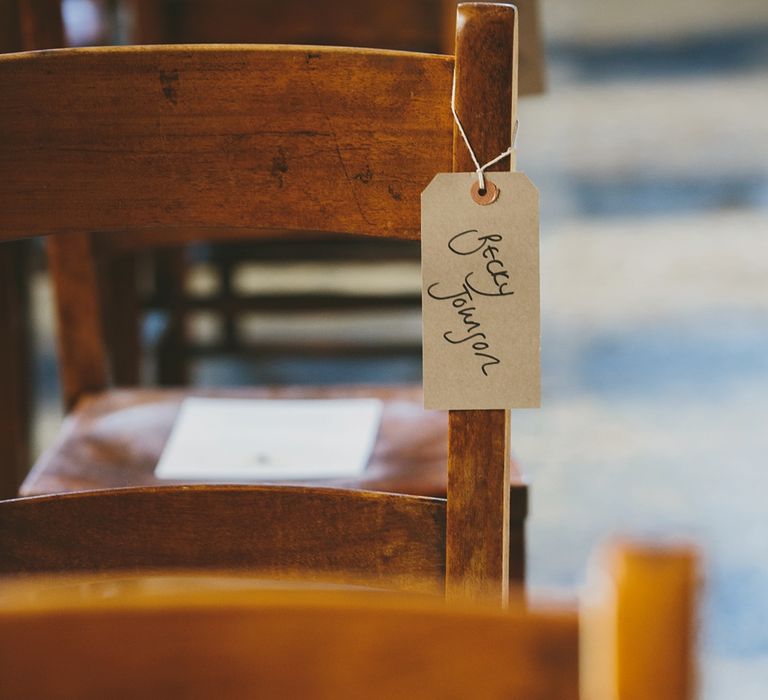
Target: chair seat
116, 438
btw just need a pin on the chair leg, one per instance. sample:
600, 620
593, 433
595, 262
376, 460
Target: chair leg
517, 552
15, 381
172, 351
123, 320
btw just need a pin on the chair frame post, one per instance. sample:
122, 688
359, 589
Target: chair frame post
478, 513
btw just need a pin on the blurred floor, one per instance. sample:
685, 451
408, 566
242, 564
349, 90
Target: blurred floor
652, 159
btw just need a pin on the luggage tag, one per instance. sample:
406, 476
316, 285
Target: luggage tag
480, 289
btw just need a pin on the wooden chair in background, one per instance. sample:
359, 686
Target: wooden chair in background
224, 637
405, 25
170, 149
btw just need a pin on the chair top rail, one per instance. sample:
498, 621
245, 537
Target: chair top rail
221, 137
343, 535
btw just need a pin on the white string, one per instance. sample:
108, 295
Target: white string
479, 169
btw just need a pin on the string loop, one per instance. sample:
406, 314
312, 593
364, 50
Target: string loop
479, 169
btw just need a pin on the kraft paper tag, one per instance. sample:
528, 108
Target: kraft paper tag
480, 294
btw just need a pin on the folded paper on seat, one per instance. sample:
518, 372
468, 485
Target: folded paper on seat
226, 440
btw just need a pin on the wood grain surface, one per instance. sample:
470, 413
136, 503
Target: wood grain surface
115, 439
231, 635
347, 535
229, 136
209, 638
478, 452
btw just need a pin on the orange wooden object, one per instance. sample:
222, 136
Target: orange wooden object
221, 635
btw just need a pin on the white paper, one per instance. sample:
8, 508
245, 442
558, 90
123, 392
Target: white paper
225, 440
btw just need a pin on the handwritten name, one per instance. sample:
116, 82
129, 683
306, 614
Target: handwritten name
494, 266
468, 243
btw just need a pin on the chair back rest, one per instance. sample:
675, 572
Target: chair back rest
230, 637
392, 541
221, 137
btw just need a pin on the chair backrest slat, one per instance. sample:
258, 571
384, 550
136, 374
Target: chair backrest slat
222, 137
397, 541
279, 644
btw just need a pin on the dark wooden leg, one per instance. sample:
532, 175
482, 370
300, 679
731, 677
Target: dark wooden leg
123, 319
172, 355
15, 380
229, 325
517, 552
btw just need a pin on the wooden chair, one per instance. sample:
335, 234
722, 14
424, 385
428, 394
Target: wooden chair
405, 441
224, 637
179, 143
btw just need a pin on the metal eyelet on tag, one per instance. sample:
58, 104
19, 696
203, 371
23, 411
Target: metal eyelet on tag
489, 196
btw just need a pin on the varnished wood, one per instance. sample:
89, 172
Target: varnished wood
116, 438
478, 456
531, 55
167, 141
82, 355
347, 536
133, 635
121, 317
639, 620
186, 638
14, 348
15, 370
21, 26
